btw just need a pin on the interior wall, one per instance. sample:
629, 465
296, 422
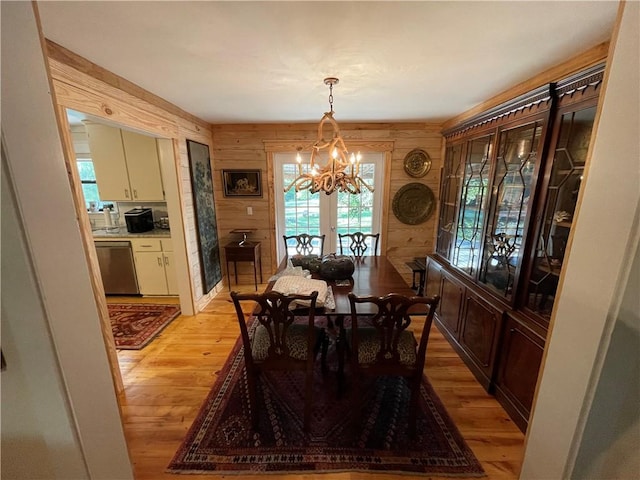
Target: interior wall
31, 427
596, 275
611, 442
243, 146
85, 87
36, 166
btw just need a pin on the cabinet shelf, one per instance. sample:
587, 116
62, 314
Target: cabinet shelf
552, 269
564, 223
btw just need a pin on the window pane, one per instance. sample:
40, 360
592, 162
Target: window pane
86, 171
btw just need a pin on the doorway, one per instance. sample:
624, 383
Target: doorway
331, 215
160, 199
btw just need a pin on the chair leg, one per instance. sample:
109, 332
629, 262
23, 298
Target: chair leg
325, 349
253, 397
414, 386
342, 348
322, 346
308, 394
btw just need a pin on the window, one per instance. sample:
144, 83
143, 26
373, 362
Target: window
89, 185
317, 214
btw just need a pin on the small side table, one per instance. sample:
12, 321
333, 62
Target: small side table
247, 252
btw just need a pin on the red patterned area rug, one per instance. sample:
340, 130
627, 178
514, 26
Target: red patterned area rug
134, 325
363, 435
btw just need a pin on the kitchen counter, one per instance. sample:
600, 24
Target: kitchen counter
121, 232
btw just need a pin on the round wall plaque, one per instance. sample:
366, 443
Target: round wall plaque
413, 203
417, 163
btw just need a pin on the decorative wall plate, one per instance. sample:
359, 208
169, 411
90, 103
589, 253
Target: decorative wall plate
413, 203
417, 163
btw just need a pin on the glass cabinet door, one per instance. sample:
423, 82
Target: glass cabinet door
567, 170
510, 198
472, 204
451, 177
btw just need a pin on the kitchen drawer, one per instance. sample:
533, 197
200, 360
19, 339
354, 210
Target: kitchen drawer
167, 245
146, 244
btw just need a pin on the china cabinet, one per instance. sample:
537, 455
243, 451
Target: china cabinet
509, 193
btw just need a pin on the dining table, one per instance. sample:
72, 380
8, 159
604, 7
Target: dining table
372, 276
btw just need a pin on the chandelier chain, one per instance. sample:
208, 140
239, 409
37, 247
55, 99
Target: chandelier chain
341, 171
331, 97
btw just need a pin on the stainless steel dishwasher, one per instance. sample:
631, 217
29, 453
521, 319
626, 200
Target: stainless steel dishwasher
117, 268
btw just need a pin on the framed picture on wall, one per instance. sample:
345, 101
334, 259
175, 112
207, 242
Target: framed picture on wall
242, 183
205, 212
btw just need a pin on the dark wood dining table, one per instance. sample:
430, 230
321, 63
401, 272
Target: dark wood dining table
373, 276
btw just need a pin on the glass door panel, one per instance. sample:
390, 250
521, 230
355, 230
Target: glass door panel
318, 214
355, 213
451, 179
472, 205
512, 181
560, 203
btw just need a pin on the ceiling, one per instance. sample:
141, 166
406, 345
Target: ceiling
264, 62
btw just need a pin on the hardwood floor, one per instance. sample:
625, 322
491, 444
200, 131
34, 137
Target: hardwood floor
167, 381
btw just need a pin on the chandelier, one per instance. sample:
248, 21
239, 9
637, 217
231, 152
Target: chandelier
342, 169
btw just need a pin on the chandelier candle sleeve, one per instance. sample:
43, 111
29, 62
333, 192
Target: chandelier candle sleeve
342, 169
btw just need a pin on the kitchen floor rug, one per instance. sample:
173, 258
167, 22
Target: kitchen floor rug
367, 436
134, 325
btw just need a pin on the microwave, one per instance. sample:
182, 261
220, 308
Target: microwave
139, 220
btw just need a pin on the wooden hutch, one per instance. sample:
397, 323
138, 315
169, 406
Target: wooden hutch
509, 189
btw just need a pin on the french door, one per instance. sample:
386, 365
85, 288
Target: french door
318, 213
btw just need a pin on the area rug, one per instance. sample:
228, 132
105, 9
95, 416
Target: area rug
364, 435
135, 325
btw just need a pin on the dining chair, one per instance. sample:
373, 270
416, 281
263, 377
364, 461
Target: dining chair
273, 341
358, 243
304, 244
383, 344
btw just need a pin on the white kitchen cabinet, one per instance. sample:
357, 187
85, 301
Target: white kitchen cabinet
154, 267
143, 165
126, 164
170, 272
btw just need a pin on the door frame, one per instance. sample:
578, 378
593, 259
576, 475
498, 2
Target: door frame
272, 147
327, 202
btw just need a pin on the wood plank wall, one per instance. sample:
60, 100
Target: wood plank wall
86, 87
243, 146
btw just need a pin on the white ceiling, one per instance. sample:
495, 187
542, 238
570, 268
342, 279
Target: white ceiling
256, 62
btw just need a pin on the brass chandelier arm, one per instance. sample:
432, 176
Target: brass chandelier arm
342, 169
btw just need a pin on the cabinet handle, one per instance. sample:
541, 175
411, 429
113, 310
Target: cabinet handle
159, 261
126, 193
135, 193
145, 246
166, 261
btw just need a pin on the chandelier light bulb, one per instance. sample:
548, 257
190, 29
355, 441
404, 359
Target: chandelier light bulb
340, 172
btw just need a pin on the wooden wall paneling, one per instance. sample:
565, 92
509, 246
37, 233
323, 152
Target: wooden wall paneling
59, 55
86, 87
89, 247
116, 110
384, 227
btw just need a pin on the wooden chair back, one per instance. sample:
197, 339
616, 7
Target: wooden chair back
358, 243
276, 342
305, 244
386, 346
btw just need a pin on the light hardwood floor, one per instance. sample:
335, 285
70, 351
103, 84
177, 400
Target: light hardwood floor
167, 381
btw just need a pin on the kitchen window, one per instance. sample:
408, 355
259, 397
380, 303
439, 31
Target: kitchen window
89, 185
